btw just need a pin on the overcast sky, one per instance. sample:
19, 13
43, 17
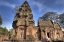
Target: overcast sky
38, 7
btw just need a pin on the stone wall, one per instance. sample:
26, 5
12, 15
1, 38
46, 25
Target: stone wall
50, 30
4, 37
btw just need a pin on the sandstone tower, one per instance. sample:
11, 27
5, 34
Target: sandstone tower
23, 22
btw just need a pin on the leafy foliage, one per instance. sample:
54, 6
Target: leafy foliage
49, 16
10, 32
0, 20
61, 17
3, 31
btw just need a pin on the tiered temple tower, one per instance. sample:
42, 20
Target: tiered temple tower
22, 20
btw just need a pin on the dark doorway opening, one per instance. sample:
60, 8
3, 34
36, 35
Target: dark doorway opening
48, 35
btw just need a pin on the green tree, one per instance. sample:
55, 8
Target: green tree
61, 17
3, 31
10, 32
49, 16
0, 20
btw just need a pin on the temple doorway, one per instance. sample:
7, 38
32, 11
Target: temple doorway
48, 35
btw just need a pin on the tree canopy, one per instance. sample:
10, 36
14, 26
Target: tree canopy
3, 31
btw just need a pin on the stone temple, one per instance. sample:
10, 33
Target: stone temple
24, 26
